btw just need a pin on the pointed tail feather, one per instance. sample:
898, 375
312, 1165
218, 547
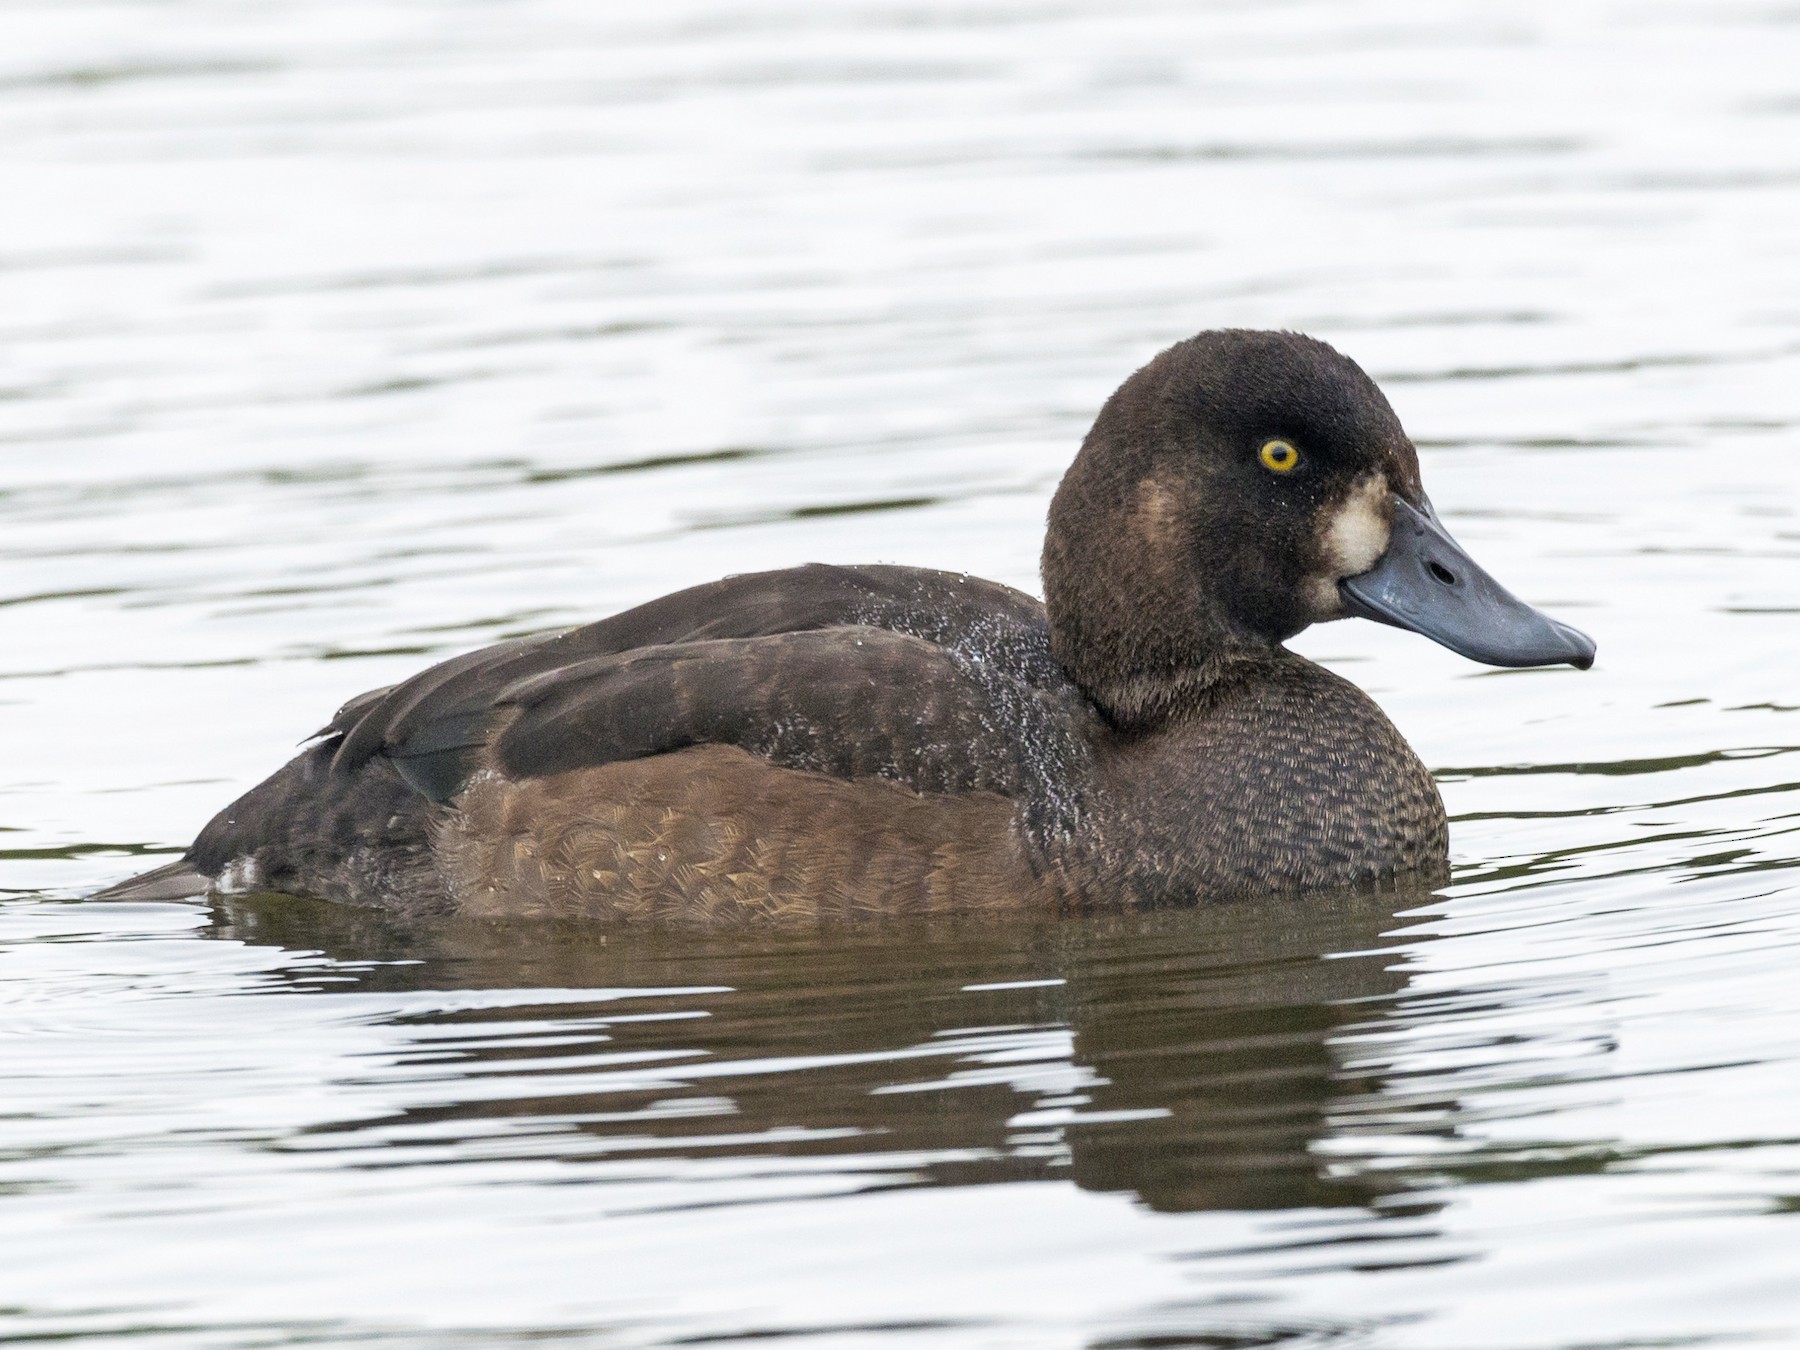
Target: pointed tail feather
173, 881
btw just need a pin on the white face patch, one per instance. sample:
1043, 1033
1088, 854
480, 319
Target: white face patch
242, 876
1353, 534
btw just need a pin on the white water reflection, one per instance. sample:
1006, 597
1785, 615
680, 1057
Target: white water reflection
335, 337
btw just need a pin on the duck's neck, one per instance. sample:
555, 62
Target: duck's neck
1132, 619
1142, 701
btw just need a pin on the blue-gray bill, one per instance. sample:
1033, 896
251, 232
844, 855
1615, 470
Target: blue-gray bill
1426, 583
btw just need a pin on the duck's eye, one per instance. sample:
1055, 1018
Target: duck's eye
1279, 456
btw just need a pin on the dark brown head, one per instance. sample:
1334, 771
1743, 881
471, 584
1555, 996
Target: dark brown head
1225, 493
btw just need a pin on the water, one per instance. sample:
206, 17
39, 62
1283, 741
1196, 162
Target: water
336, 337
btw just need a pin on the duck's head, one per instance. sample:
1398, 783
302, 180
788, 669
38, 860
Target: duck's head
1238, 488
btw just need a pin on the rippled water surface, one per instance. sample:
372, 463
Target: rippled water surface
341, 335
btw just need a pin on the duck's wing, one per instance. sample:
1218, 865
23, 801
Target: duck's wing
853, 702
939, 682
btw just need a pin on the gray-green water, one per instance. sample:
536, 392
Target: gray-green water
339, 336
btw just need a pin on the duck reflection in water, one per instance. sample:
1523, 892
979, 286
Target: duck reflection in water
828, 740
1184, 1057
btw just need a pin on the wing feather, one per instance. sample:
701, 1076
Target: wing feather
852, 702
897, 672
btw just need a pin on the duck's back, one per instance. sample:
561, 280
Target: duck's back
813, 738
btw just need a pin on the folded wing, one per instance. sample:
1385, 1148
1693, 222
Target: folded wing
938, 682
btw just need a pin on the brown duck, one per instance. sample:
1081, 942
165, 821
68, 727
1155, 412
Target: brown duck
841, 739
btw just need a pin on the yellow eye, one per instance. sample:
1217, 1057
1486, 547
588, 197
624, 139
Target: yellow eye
1279, 456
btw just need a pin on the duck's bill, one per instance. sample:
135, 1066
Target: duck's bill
1426, 583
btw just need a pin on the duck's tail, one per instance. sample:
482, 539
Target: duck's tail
173, 881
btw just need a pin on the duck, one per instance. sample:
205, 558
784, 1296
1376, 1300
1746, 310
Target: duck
837, 740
